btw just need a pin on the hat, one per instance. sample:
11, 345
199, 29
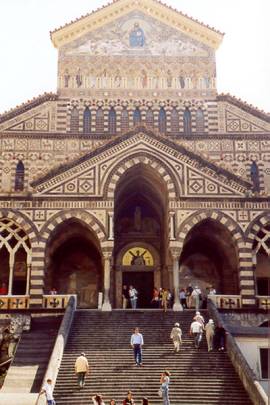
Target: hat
82, 354
211, 321
198, 313
177, 324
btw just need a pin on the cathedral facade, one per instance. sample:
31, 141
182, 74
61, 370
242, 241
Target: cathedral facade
136, 171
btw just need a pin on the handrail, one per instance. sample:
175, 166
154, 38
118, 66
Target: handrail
6, 361
246, 374
59, 346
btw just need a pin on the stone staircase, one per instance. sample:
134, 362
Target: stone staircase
198, 377
28, 368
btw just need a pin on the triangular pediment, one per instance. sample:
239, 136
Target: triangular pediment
102, 18
192, 175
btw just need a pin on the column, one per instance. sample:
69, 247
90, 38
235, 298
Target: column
176, 256
106, 306
110, 225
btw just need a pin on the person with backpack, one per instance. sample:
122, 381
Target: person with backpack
133, 296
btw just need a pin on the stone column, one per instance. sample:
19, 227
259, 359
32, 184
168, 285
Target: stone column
106, 306
176, 256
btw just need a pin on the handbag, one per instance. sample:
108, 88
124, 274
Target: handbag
160, 393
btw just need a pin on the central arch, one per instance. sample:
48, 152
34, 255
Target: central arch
141, 231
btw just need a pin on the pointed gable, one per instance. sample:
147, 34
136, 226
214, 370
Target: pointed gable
192, 175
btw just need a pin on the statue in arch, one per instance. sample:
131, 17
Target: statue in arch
136, 37
138, 259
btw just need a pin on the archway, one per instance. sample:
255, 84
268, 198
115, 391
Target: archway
73, 262
140, 230
261, 249
209, 257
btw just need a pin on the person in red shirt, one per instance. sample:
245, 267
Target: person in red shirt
3, 289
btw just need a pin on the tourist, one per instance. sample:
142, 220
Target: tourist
53, 291
165, 381
97, 399
145, 401
198, 317
155, 298
47, 389
3, 289
196, 297
136, 342
133, 296
210, 332
81, 369
212, 291
125, 296
196, 330
189, 290
183, 298
165, 299
112, 402
220, 334
129, 399
176, 336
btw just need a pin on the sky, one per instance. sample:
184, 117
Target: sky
28, 62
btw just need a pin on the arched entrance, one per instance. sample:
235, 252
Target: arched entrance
209, 257
261, 254
141, 234
73, 262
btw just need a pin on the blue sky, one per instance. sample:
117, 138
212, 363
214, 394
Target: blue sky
29, 60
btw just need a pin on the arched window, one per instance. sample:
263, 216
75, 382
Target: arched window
187, 122
112, 121
74, 120
261, 257
15, 258
149, 118
199, 120
99, 120
174, 120
255, 177
19, 176
137, 116
124, 120
87, 121
162, 121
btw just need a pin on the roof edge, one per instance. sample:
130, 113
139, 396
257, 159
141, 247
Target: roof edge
244, 105
34, 102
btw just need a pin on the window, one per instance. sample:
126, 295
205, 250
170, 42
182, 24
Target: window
74, 120
187, 122
15, 258
99, 120
254, 175
149, 118
199, 120
137, 117
174, 120
19, 176
87, 121
112, 121
162, 121
264, 359
124, 120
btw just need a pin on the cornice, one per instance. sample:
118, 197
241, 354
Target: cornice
249, 108
20, 109
158, 10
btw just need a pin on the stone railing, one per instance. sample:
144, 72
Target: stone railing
58, 301
263, 302
246, 374
226, 301
59, 346
14, 302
